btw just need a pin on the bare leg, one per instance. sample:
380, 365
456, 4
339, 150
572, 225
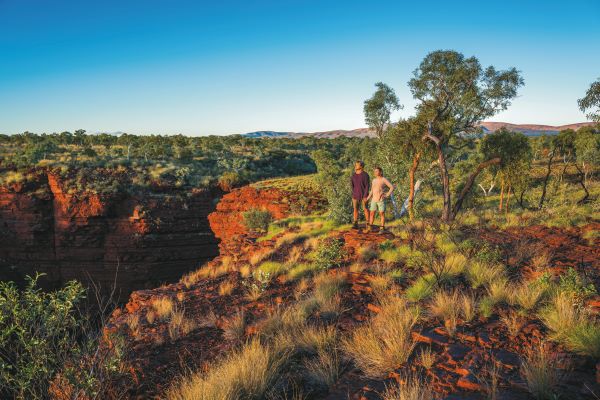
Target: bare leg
382, 217
355, 213
368, 215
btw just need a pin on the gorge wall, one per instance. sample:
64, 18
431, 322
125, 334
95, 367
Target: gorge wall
136, 240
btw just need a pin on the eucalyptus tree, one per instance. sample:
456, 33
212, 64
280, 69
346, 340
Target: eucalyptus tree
515, 153
378, 109
455, 94
590, 103
405, 138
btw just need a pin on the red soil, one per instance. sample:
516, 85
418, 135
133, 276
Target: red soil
462, 363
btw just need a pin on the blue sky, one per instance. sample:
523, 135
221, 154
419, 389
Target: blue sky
229, 66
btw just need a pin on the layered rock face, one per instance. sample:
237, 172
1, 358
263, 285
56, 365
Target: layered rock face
133, 241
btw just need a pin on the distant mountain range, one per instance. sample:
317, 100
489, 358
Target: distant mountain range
488, 127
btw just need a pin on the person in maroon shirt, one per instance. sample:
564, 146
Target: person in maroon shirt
360, 184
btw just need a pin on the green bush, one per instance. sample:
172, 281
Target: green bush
257, 220
329, 254
36, 334
45, 336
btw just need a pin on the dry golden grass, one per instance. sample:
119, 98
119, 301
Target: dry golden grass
573, 325
468, 306
367, 253
234, 328
482, 274
261, 256
385, 342
295, 255
427, 358
356, 267
412, 387
209, 271
541, 261
380, 284
247, 373
180, 326
133, 322
163, 307
446, 307
245, 271
326, 367
513, 322
226, 288
527, 296
301, 288
150, 316
540, 371
499, 291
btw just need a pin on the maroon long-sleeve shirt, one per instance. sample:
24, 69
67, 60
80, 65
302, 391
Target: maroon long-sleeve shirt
360, 185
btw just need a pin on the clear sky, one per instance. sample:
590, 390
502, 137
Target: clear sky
225, 66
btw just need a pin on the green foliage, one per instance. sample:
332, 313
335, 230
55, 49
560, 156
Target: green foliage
257, 220
37, 330
44, 335
576, 285
590, 103
230, 180
329, 253
379, 107
514, 150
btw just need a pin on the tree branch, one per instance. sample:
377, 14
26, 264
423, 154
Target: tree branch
470, 181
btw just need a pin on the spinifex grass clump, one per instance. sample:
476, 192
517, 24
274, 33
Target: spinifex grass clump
385, 343
572, 324
247, 373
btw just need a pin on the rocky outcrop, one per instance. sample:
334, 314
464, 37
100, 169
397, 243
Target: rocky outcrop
132, 240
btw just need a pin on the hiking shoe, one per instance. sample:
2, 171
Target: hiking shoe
355, 225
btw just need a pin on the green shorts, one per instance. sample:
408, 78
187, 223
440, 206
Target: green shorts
377, 205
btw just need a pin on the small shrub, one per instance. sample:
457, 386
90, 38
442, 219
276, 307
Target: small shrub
230, 180
329, 254
36, 332
576, 285
257, 220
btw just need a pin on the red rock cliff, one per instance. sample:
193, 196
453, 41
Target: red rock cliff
139, 240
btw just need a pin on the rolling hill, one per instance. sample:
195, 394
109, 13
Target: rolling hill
488, 127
